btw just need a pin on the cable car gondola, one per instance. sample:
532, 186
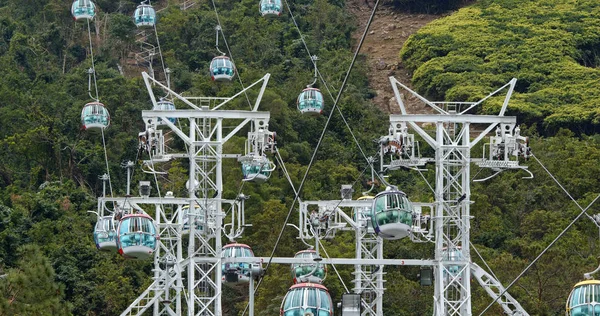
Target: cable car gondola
392, 214
222, 69
200, 224
144, 15
83, 10
584, 299
311, 101
238, 271
270, 7
94, 116
165, 105
105, 234
136, 237
362, 215
454, 254
308, 272
307, 299
257, 169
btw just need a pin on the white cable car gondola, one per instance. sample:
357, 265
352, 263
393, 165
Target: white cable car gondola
239, 271
258, 169
144, 15
308, 272
94, 116
310, 101
165, 105
270, 7
392, 214
83, 10
136, 237
222, 69
307, 299
584, 299
105, 234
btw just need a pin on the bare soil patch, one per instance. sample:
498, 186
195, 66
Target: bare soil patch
387, 33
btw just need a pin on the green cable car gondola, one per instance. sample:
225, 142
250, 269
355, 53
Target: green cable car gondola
257, 169
392, 214
308, 272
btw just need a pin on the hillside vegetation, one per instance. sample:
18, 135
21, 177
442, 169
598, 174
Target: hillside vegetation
49, 168
551, 46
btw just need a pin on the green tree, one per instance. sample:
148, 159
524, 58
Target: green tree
30, 289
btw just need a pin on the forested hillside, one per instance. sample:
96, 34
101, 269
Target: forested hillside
552, 47
49, 168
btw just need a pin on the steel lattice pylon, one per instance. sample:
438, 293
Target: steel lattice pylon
449, 133
188, 281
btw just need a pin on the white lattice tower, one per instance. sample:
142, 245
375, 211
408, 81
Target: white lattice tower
450, 134
368, 279
188, 279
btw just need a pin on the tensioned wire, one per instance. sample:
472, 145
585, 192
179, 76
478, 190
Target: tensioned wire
162, 61
583, 211
97, 100
280, 160
325, 83
92, 57
320, 138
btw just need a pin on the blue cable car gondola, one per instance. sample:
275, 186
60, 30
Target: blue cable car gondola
584, 299
311, 101
258, 169
137, 237
144, 15
239, 271
83, 10
222, 69
105, 234
165, 105
392, 214
94, 116
270, 7
308, 272
307, 299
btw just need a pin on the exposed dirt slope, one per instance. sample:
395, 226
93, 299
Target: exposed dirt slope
387, 33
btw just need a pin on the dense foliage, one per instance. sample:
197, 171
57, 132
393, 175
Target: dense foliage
49, 168
550, 46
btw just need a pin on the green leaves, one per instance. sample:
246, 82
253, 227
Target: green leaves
546, 45
30, 289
